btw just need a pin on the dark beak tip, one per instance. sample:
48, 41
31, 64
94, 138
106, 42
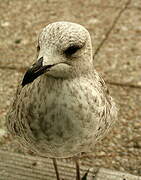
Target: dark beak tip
35, 71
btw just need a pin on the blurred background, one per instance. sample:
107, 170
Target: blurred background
118, 60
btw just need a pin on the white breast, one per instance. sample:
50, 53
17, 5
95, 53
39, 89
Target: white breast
69, 117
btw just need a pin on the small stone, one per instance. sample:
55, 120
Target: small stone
18, 41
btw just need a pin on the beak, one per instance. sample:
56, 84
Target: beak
35, 71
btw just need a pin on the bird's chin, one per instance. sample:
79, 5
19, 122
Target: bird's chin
61, 70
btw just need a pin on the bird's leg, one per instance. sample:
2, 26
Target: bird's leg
56, 168
77, 169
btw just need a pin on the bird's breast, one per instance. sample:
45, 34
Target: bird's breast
66, 112
67, 117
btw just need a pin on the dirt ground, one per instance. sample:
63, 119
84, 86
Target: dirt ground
118, 60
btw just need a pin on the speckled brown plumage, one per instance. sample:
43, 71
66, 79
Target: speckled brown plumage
66, 110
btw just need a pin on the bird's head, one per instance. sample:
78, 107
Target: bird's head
64, 50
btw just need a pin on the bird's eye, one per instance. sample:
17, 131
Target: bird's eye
71, 50
38, 48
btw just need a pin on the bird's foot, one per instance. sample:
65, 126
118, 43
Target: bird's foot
85, 175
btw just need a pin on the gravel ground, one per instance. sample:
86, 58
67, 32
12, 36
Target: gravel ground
119, 61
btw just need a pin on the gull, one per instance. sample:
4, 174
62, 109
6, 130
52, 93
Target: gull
62, 106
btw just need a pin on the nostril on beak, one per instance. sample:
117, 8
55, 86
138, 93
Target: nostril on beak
39, 63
